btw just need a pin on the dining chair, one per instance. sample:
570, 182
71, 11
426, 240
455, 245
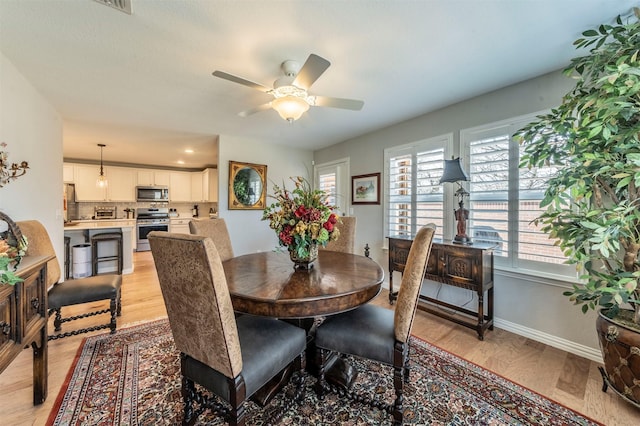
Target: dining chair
231, 357
72, 292
378, 333
346, 241
217, 230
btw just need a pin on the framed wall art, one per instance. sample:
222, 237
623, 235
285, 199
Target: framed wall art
365, 189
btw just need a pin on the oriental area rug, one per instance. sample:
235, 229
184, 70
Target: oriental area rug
133, 378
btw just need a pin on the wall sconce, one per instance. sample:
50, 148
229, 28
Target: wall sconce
10, 172
454, 173
101, 182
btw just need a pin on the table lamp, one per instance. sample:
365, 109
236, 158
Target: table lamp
453, 173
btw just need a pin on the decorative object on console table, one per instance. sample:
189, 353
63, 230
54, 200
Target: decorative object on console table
469, 267
454, 173
13, 172
365, 189
302, 220
13, 246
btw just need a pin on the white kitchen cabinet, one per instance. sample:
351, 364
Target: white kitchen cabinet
67, 173
196, 186
84, 176
180, 186
180, 226
150, 177
210, 185
121, 183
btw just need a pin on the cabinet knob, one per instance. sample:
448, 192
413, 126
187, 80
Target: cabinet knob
35, 303
5, 327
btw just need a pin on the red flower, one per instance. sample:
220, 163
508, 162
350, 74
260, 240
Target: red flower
300, 212
333, 219
328, 226
285, 235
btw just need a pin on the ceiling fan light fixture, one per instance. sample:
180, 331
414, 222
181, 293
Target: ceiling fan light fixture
290, 107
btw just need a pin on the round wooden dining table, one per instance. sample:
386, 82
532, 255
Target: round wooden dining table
266, 284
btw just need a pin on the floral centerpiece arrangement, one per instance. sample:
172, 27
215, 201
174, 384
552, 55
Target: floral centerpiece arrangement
303, 219
10, 257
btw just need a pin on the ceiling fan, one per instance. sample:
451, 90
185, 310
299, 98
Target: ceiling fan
290, 92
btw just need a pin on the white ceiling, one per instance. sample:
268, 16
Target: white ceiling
142, 83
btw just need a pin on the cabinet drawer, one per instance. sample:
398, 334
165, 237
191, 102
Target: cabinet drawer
8, 326
33, 301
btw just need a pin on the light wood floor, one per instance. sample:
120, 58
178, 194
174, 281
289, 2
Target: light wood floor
565, 378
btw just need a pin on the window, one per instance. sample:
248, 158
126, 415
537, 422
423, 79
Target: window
505, 199
414, 195
333, 178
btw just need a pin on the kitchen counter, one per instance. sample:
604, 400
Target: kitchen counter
82, 230
102, 223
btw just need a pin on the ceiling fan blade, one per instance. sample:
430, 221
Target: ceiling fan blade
311, 71
325, 101
259, 108
240, 80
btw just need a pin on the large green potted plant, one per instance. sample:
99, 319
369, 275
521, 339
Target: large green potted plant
593, 202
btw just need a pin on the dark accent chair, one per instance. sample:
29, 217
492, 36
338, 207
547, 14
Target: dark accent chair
232, 358
72, 292
378, 333
217, 230
346, 240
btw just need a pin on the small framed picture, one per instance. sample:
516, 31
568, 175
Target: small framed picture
365, 189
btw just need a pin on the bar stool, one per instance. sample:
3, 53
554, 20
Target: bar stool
67, 257
96, 258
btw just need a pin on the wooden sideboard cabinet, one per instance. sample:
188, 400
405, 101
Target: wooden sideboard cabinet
458, 265
23, 320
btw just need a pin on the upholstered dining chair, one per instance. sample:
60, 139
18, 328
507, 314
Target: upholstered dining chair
378, 333
231, 357
346, 241
72, 292
217, 230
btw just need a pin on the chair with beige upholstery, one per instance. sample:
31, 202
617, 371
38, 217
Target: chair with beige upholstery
232, 358
217, 230
72, 292
346, 241
378, 333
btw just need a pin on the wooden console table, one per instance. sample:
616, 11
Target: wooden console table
23, 320
458, 265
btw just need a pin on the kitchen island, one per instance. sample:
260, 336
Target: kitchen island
81, 231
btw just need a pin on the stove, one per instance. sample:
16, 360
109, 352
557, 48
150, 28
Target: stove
150, 219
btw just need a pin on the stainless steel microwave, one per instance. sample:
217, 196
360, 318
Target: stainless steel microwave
152, 193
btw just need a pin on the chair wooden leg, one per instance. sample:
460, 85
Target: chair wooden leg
237, 397
113, 311
400, 356
188, 393
321, 361
57, 321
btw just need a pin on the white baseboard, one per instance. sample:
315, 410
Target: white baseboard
588, 352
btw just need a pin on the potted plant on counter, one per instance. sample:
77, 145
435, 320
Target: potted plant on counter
593, 202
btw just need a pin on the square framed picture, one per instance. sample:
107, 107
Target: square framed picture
365, 189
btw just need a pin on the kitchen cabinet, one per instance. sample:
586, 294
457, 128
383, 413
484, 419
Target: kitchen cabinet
180, 186
180, 226
121, 185
150, 177
204, 186
197, 179
67, 173
210, 185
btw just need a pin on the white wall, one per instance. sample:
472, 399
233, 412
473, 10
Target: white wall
528, 307
248, 232
32, 129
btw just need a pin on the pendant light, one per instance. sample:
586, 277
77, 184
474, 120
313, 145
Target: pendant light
101, 182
